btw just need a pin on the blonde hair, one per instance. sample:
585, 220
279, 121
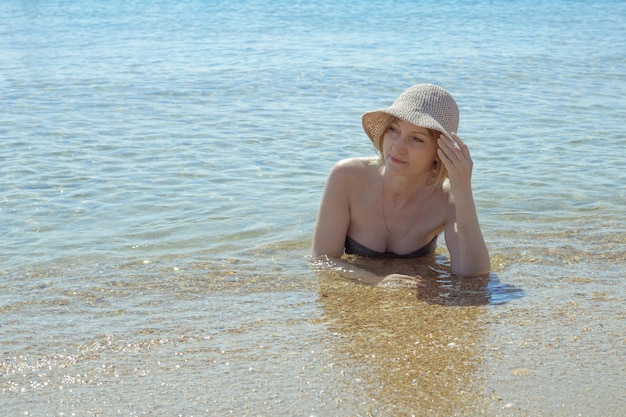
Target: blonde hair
440, 172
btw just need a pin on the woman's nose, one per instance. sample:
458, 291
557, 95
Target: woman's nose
400, 144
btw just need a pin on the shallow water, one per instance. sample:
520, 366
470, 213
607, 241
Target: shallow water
162, 163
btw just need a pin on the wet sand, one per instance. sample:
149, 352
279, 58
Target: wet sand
219, 338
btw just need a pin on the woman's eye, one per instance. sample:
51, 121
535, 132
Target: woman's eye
417, 139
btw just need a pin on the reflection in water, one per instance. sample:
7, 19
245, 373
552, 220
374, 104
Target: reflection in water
405, 356
455, 291
411, 355
438, 286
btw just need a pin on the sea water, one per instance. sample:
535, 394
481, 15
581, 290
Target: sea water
161, 166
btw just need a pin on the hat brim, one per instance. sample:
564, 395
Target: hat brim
376, 121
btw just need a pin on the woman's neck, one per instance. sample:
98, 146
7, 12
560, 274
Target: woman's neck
402, 190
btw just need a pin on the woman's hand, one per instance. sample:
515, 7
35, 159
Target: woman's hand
456, 157
400, 281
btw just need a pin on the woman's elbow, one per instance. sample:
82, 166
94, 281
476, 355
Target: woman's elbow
480, 269
317, 252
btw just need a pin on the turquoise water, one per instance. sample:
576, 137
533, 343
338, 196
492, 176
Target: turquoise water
161, 166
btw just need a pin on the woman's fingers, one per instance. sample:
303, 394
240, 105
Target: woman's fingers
400, 281
452, 150
460, 145
448, 151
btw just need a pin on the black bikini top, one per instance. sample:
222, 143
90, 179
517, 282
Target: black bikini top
352, 247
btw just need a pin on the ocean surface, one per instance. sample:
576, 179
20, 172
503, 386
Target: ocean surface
161, 166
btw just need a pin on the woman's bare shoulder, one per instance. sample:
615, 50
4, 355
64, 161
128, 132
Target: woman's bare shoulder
445, 200
351, 174
355, 166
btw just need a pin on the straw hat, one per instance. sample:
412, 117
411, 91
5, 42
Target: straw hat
424, 105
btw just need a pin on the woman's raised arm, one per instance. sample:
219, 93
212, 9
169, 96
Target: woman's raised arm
468, 253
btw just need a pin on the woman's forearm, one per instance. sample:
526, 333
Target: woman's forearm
348, 270
472, 258
354, 273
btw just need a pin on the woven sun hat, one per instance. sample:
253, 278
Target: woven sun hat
424, 105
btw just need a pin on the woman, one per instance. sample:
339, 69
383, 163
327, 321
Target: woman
396, 205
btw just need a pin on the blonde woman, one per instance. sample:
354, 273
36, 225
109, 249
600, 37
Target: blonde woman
396, 205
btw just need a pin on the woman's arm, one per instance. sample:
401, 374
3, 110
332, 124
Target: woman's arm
355, 273
333, 217
468, 252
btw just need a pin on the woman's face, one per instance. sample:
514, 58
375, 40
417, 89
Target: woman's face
408, 149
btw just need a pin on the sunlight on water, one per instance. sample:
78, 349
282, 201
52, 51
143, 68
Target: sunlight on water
162, 164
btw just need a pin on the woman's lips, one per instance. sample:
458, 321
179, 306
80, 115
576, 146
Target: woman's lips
396, 160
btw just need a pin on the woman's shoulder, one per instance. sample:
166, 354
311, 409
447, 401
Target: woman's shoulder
447, 192
354, 171
445, 199
443, 194
356, 165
